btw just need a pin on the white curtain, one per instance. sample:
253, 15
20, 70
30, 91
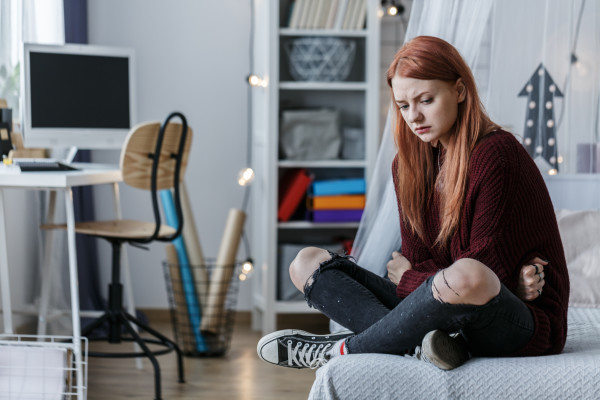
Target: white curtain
36, 21
514, 48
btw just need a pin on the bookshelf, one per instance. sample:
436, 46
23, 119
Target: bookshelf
355, 98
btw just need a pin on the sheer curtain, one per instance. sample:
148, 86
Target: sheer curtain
36, 21
537, 66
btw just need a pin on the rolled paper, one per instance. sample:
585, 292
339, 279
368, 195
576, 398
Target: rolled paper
187, 276
186, 335
192, 245
221, 275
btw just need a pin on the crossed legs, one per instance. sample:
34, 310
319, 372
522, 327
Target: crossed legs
467, 281
465, 297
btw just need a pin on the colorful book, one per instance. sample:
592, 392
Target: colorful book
337, 215
293, 186
187, 277
338, 186
341, 202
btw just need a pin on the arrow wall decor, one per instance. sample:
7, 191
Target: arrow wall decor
539, 133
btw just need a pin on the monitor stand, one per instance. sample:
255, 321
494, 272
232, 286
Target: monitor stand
70, 156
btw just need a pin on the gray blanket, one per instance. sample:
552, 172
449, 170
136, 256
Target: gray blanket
574, 374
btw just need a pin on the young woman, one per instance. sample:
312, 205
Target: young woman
482, 269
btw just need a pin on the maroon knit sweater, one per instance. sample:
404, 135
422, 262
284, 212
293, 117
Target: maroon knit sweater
507, 220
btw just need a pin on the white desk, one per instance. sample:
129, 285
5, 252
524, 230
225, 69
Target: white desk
90, 174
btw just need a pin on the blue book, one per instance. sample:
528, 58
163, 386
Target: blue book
187, 277
339, 186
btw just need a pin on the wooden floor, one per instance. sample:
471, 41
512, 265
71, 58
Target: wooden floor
240, 374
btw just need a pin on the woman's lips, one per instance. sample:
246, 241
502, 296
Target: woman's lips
422, 129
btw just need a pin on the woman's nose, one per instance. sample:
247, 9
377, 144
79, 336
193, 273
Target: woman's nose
414, 115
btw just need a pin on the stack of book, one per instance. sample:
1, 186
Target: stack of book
327, 14
340, 200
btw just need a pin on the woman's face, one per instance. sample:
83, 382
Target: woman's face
429, 107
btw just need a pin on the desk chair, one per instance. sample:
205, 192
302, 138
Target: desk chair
154, 157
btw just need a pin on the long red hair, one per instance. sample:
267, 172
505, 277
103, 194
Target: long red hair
429, 58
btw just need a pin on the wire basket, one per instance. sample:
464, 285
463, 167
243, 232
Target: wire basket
323, 59
36, 367
202, 312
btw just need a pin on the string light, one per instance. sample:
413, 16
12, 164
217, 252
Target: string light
391, 8
247, 266
256, 81
246, 176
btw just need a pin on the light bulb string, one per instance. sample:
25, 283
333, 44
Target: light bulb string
246, 188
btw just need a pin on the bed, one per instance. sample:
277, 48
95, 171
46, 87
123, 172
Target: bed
573, 374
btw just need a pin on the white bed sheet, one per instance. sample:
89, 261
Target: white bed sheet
573, 374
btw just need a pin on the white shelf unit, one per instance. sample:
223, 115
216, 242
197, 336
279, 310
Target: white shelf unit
356, 98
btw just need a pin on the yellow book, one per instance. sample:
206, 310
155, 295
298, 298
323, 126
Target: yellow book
342, 202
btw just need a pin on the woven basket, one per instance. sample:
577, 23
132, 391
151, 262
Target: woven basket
323, 59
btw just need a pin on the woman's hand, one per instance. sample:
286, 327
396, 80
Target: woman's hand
531, 280
397, 266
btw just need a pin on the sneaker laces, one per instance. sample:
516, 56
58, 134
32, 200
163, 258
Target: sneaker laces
308, 355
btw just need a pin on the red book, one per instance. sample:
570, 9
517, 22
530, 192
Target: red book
292, 189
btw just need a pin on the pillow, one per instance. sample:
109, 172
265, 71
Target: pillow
580, 234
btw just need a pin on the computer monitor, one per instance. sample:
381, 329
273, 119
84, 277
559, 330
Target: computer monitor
79, 96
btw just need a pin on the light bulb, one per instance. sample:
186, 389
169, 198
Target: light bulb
553, 171
254, 80
242, 277
247, 266
392, 10
380, 12
246, 176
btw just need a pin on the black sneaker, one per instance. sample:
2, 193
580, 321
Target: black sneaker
442, 350
297, 349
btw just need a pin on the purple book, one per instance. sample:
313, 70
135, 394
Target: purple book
337, 215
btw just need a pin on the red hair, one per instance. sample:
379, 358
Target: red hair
431, 58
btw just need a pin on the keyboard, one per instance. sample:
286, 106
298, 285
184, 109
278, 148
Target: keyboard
43, 165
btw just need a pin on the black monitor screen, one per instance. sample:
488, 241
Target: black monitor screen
79, 91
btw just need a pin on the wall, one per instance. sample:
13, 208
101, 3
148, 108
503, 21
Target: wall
191, 56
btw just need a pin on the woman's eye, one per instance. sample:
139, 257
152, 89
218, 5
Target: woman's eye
427, 101
403, 106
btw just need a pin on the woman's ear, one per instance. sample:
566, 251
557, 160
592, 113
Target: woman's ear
461, 89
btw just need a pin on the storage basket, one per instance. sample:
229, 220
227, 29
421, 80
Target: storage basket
324, 59
40, 367
215, 289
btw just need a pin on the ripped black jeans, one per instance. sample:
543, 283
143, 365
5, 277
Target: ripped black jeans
367, 304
